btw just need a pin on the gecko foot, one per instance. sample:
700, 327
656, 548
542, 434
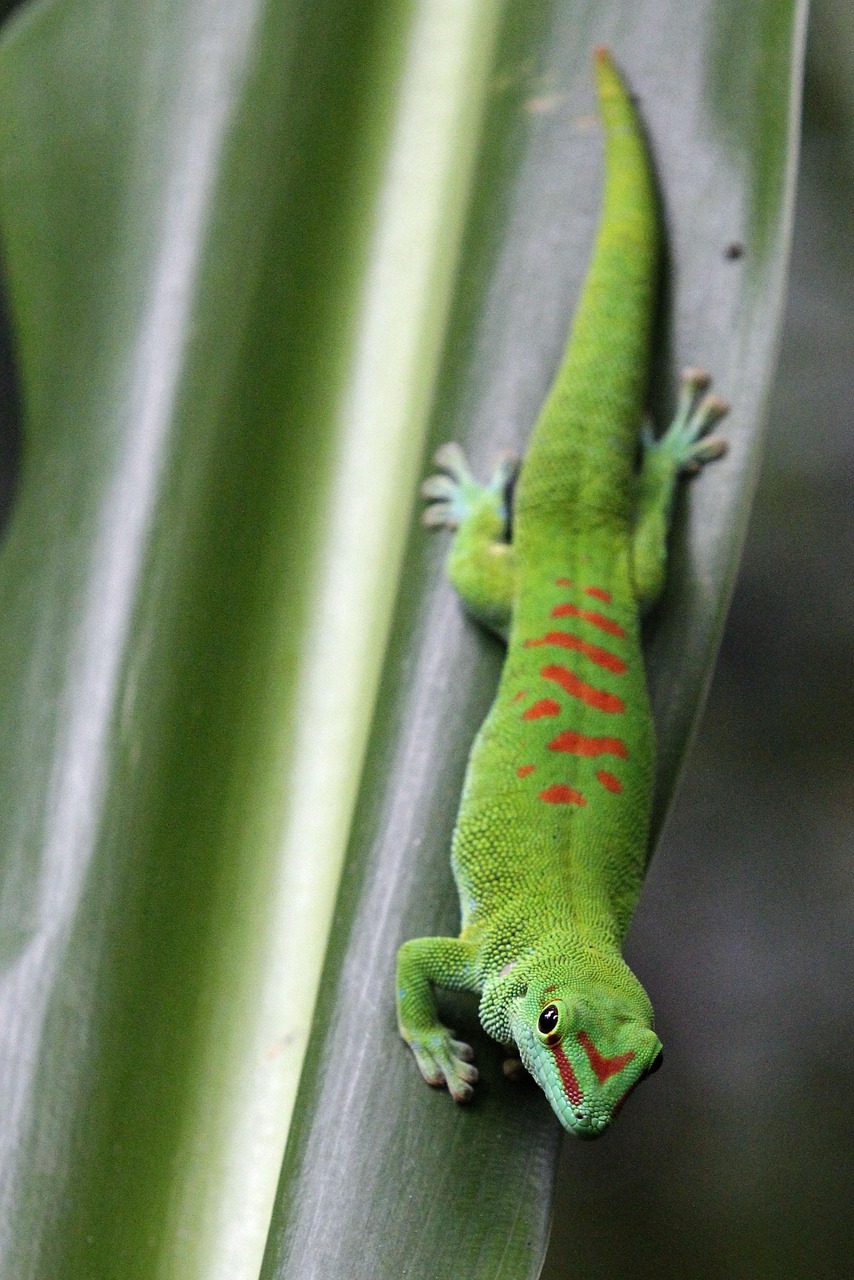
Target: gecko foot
443, 1060
686, 441
452, 494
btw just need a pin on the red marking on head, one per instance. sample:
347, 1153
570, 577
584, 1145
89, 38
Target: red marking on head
567, 1076
564, 582
561, 794
578, 688
603, 1068
608, 780
578, 744
545, 707
549, 990
565, 640
598, 594
517, 697
524, 770
588, 615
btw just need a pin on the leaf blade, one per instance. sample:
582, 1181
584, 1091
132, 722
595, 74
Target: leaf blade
408, 1181
188, 203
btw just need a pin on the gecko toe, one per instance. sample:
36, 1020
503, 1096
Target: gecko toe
460, 1091
451, 458
439, 486
462, 1050
440, 515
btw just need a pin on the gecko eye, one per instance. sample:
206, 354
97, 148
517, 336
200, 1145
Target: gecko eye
548, 1020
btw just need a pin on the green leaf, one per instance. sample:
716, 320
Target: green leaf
384, 1177
228, 284
231, 236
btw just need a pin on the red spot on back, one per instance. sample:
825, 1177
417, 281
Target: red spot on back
603, 1067
578, 688
567, 1076
524, 770
565, 640
598, 594
561, 794
517, 697
578, 744
545, 707
608, 780
564, 582
589, 615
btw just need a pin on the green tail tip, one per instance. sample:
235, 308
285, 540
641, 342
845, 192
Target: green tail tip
607, 76
605, 67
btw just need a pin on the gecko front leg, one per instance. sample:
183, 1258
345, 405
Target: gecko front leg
422, 964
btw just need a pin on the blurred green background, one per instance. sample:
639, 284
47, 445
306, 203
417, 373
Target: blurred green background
740, 1162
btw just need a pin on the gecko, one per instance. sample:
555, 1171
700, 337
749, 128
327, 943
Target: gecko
561, 558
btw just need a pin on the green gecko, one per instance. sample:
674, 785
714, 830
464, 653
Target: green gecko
551, 842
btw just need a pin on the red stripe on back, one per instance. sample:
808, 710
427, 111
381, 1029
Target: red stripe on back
598, 594
561, 794
578, 744
565, 640
524, 770
567, 1076
603, 1067
545, 707
564, 582
578, 688
608, 780
588, 615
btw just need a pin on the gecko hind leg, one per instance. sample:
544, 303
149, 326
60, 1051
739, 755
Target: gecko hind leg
480, 562
681, 451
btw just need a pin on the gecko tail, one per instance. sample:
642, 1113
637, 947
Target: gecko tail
584, 445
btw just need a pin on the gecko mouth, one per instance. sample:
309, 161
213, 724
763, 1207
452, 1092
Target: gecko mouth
580, 1114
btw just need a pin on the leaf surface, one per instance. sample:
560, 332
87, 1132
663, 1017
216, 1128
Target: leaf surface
226, 336
231, 236
383, 1176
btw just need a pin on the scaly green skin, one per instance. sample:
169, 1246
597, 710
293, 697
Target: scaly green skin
551, 843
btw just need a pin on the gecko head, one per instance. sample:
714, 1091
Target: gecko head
588, 1045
